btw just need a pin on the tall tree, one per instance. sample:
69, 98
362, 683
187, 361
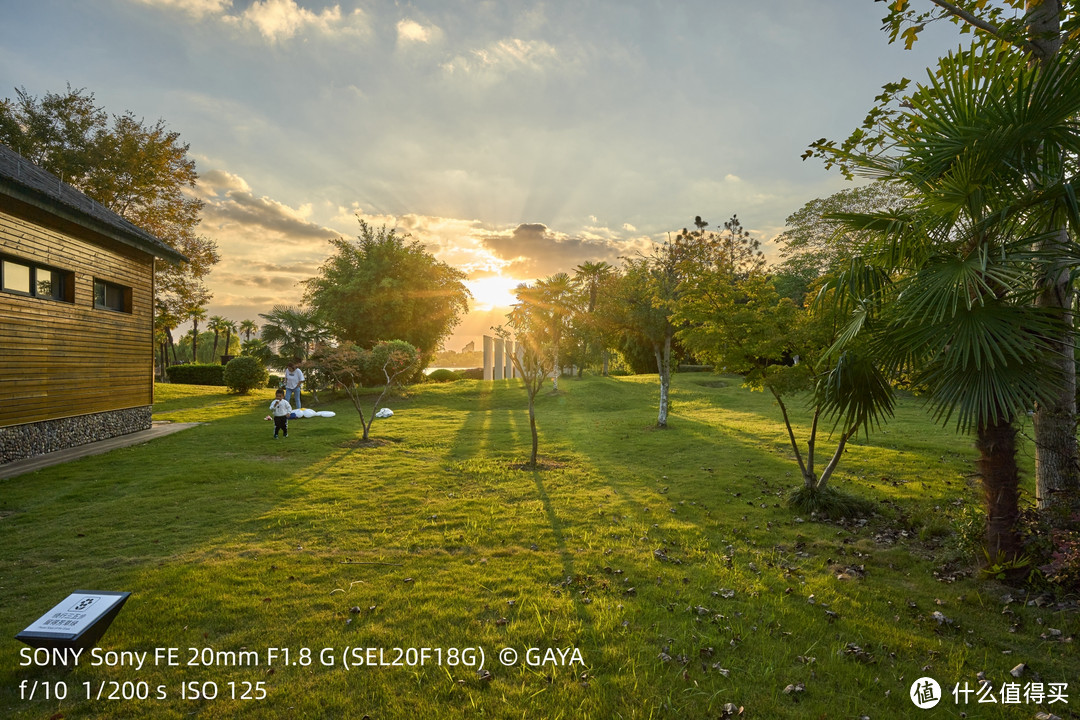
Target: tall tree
643, 304
1037, 32
138, 170
533, 323
592, 277
248, 328
217, 324
195, 314
229, 328
384, 286
985, 151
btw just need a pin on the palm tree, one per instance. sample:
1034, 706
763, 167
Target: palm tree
248, 327
555, 293
590, 276
294, 331
229, 327
195, 314
217, 324
948, 293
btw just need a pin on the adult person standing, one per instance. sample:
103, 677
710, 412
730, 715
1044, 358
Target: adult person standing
294, 377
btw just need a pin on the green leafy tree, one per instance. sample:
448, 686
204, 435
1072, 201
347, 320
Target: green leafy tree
815, 245
1038, 33
138, 170
984, 151
593, 278
642, 306
384, 285
533, 322
349, 365
746, 328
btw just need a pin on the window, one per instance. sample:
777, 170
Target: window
24, 278
110, 296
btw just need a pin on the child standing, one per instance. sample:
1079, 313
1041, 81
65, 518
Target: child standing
280, 409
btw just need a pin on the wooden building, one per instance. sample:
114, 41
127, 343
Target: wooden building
76, 315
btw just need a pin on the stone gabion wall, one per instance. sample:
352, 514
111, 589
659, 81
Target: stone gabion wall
23, 441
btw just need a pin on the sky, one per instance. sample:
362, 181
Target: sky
514, 139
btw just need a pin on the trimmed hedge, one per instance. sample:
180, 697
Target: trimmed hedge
274, 382
196, 374
472, 374
442, 375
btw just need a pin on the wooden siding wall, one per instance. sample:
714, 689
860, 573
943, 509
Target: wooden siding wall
59, 359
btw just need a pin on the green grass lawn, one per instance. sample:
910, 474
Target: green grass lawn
667, 559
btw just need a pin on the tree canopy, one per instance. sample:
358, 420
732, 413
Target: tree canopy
138, 170
385, 286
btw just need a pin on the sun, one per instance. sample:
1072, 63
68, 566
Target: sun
495, 291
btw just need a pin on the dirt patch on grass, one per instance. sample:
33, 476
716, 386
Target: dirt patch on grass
369, 443
540, 465
711, 383
5, 514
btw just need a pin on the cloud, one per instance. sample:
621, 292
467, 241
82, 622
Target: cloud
275, 20
511, 54
532, 250
243, 208
219, 182
195, 8
282, 19
413, 32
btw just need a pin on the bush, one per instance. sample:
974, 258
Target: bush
472, 374
832, 504
274, 381
244, 374
442, 375
196, 374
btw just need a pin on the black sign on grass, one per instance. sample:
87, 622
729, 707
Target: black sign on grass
77, 621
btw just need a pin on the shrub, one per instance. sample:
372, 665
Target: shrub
274, 381
442, 375
196, 374
831, 503
472, 374
244, 374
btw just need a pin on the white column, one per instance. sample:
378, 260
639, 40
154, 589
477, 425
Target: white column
497, 368
488, 346
509, 373
520, 350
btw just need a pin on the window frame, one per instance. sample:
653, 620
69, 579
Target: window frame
125, 296
67, 291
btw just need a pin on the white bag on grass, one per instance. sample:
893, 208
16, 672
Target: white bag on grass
384, 413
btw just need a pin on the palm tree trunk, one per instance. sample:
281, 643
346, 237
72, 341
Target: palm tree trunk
1000, 476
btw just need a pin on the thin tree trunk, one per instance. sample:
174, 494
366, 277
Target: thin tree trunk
605, 356
663, 367
828, 471
172, 345
808, 477
1000, 480
532, 429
